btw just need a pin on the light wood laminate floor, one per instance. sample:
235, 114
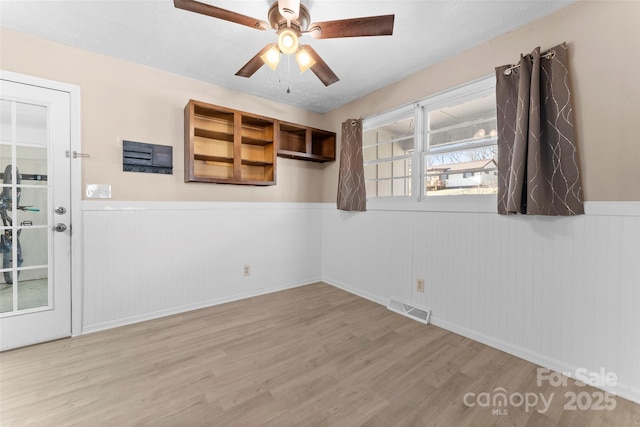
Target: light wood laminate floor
310, 356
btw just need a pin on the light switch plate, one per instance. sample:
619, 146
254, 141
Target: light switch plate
99, 191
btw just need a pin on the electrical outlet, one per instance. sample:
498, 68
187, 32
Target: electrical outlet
98, 191
246, 270
420, 285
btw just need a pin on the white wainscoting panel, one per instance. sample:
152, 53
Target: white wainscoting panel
561, 292
146, 260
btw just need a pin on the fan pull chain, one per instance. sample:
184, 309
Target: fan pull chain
288, 72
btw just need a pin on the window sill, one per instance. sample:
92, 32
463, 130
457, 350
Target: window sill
480, 203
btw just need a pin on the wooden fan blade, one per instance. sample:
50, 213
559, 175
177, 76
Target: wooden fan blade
254, 63
356, 27
320, 68
224, 14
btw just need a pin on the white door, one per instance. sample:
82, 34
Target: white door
35, 232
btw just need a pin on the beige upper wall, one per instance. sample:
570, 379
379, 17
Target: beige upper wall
123, 100
604, 54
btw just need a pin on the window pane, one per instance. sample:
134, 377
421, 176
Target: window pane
481, 109
461, 152
370, 138
384, 170
462, 172
369, 153
384, 188
402, 187
370, 171
402, 168
385, 151
387, 158
371, 188
469, 122
400, 130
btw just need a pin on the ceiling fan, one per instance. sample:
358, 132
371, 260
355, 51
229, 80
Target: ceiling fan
291, 20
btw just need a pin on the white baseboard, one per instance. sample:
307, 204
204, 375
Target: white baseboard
88, 329
620, 389
355, 291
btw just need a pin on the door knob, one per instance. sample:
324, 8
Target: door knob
61, 210
60, 227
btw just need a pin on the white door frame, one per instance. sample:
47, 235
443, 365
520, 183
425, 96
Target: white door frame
76, 188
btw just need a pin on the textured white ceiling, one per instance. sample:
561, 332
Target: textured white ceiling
154, 33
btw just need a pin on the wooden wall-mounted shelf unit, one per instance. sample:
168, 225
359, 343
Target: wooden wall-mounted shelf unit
228, 146
305, 143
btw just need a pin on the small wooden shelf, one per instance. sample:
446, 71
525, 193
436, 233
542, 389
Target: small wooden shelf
253, 141
228, 146
304, 156
256, 163
306, 143
211, 134
218, 159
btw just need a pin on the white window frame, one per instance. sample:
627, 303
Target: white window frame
387, 118
418, 199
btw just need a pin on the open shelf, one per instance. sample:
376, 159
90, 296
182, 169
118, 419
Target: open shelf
218, 159
253, 141
306, 143
211, 134
256, 163
323, 144
228, 146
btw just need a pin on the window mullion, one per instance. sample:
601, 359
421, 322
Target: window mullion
423, 113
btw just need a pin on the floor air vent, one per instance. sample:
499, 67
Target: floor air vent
410, 311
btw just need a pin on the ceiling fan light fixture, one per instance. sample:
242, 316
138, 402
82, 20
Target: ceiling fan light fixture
271, 57
291, 20
288, 42
289, 9
304, 60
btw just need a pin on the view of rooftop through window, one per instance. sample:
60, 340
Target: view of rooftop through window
461, 152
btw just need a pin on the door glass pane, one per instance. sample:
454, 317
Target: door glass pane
5, 156
33, 207
32, 246
24, 244
31, 124
32, 165
5, 120
32, 289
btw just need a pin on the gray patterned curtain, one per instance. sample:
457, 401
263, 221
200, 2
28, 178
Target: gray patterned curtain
538, 172
351, 191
